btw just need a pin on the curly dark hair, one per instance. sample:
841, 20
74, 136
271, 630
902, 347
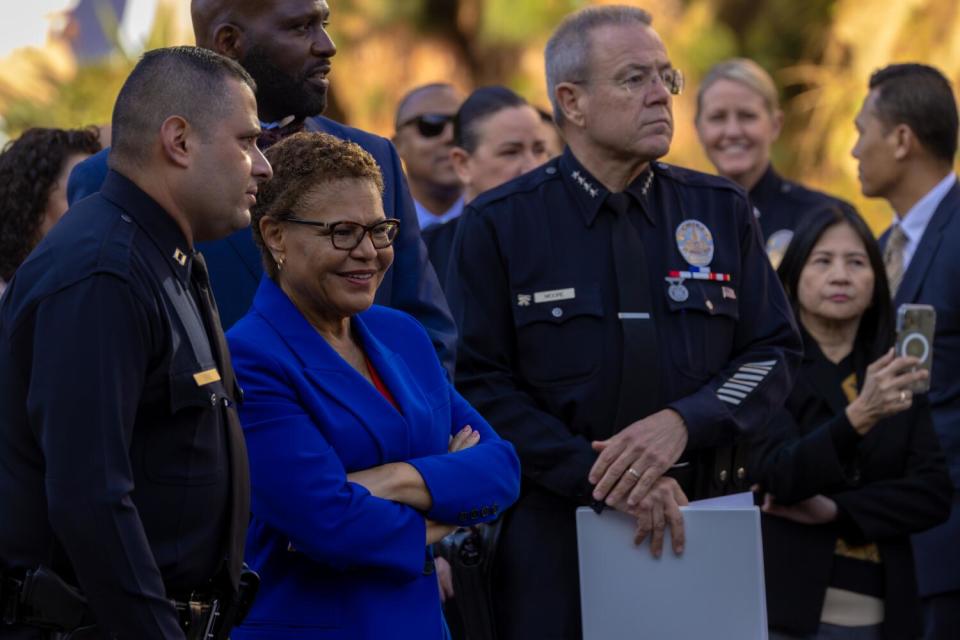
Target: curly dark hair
300, 163
29, 168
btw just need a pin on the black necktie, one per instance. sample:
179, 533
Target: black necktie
639, 388
237, 449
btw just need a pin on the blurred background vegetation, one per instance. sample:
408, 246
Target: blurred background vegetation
820, 52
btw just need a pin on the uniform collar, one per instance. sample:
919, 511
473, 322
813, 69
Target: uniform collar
769, 186
590, 194
159, 225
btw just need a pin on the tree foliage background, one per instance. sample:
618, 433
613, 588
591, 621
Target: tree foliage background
820, 52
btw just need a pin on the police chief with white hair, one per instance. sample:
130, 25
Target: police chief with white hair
621, 324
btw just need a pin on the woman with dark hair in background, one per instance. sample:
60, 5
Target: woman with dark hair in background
738, 120
497, 136
33, 188
851, 466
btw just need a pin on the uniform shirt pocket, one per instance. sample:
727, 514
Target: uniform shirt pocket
189, 448
559, 341
706, 322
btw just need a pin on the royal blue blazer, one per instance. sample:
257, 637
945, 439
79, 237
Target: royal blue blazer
335, 561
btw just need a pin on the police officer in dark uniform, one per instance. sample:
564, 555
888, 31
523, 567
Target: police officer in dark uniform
124, 487
620, 321
738, 120
780, 204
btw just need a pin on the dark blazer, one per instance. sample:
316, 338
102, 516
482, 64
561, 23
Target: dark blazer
335, 561
235, 266
933, 277
888, 484
439, 241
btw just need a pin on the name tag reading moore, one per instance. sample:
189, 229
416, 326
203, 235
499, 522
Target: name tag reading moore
554, 295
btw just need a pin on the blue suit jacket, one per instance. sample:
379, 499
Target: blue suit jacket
235, 268
933, 277
335, 561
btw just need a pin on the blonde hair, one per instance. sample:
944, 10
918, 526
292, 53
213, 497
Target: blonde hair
746, 72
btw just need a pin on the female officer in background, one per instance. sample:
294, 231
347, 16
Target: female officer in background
361, 451
497, 136
851, 465
738, 120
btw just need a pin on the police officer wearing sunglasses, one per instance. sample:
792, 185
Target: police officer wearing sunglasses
424, 139
620, 322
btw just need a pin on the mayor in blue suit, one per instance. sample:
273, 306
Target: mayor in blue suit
361, 452
284, 45
906, 148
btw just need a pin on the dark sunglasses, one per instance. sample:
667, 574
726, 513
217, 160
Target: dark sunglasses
430, 125
347, 236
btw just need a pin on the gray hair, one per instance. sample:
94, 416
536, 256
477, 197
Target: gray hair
567, 55
742, 71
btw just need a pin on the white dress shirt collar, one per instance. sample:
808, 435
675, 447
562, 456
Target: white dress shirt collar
915, 221
427, 219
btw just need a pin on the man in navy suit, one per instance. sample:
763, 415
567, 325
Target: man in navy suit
908, 139
284, 45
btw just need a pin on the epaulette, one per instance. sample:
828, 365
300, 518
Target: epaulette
525, 183
799, 193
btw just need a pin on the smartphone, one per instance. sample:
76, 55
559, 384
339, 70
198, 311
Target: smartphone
915, 325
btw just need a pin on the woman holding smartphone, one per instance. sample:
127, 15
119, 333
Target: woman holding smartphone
851, 466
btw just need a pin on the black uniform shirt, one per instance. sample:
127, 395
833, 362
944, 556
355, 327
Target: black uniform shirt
114, 459
532, 287
780, 205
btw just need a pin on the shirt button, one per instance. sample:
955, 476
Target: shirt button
557, 312
213, 399
550, 170
741, 473
723, 475
474, 514
125, 217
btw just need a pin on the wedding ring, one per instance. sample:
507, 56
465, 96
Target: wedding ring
632, 472
903, 396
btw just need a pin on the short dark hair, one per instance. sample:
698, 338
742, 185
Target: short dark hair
920, 97
413, 93
875, 332
190, 82
29, 168
300, 163
480, 105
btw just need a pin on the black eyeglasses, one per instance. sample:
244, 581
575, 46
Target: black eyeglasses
347, 236
430, 125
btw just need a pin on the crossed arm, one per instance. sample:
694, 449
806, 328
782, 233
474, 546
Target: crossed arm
402, 483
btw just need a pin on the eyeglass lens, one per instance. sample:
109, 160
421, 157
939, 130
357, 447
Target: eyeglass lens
349, 235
